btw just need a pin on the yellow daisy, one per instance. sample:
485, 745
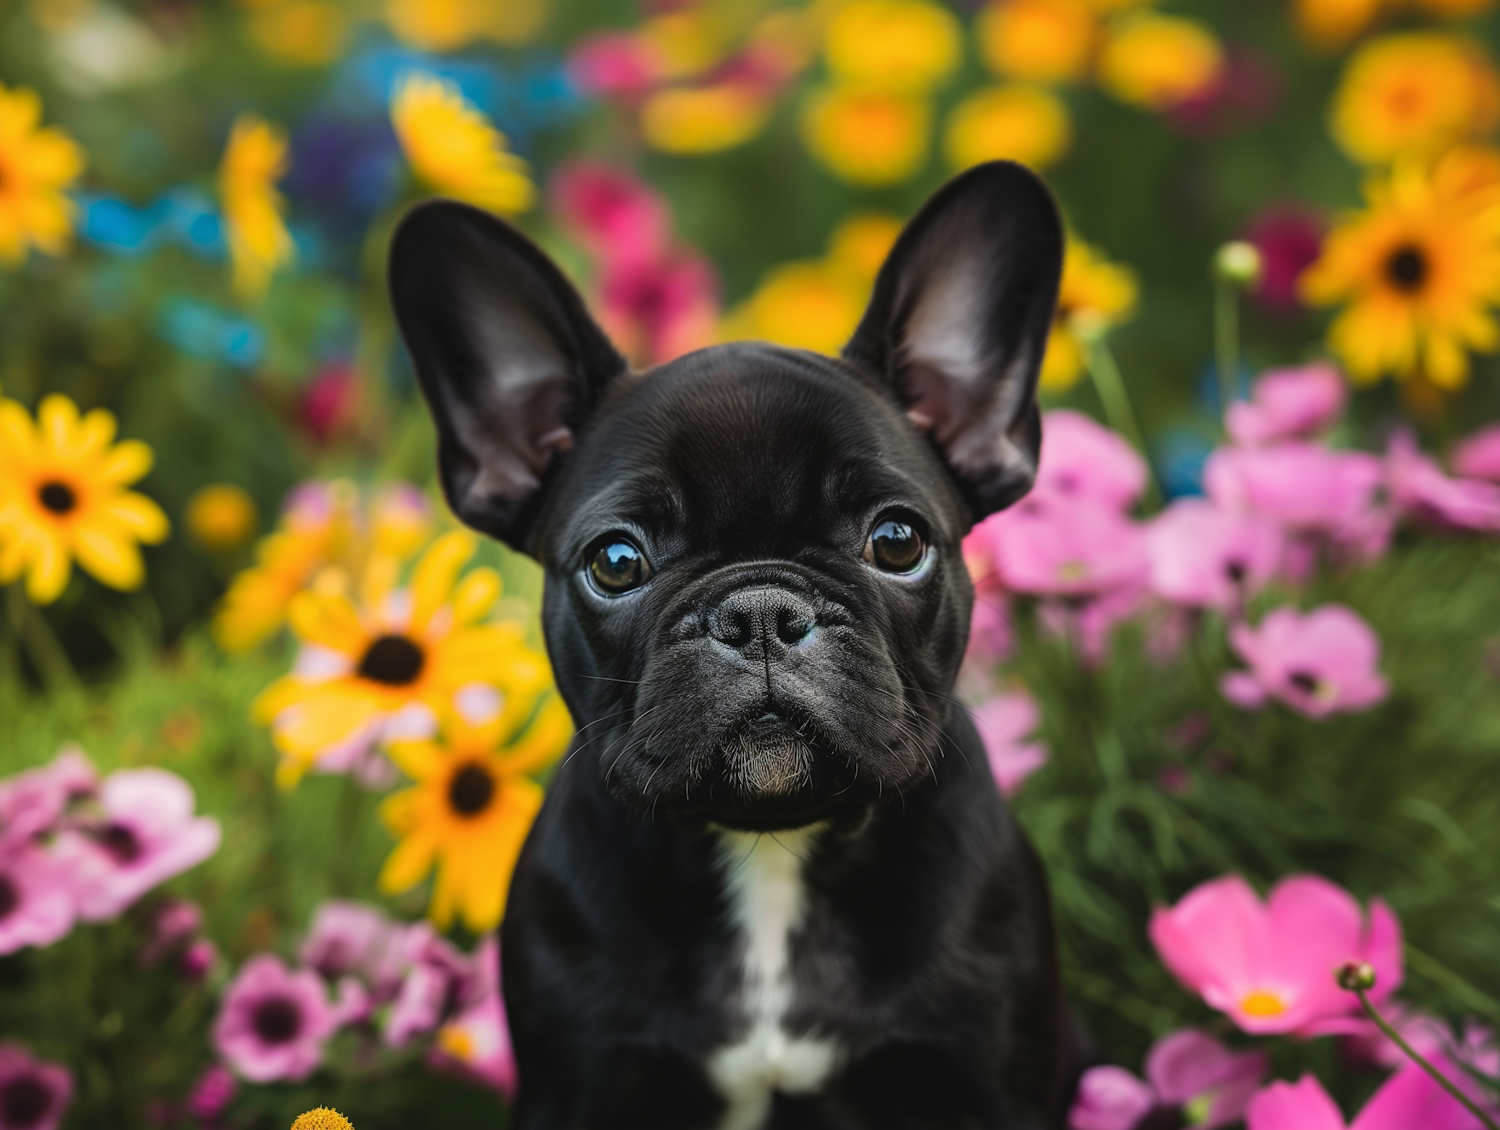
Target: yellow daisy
1157, 61
36, 164
453, 148
63, 496
867, 137
895, 45
254, 160
470, 809
1018, 122
1093, 289
390, 666
704, 119
1038, 40
1416, 272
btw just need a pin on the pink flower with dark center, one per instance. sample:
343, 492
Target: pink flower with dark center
1421, 491
610, 211
1293, 403
1004, 722
1289, 238
1478, 456
31, 803
1302, 486
1186, 1072
147, 835
347, 937
1319, 664
212, 1093
1084, 460
1409, 1100
273, 1023
36, 900
476, 1042
34, 1094
1043, 546
1270, 965
1206, 557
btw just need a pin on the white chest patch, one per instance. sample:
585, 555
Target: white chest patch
763, 877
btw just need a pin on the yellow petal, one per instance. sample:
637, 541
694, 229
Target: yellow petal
58, 417
435, 574
50, 568
330, 620
139, 515
17, 436
110, 558
126, 462
418, 760
408, 864
476, 595
94, 432
544, 740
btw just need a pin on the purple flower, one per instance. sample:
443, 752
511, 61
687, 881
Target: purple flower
34, 1094
1004, 723
1423, 493
194, 962
212, 1093
1319, 664
31, 803
476, 1042
347, 937
1110, 1098
1289, 238
1045, 546
1187, 1070
1478, 457
1293, 403
174, 923
1206, 557
36, 900
272, 1023
438, 979
147, 835
1082, 459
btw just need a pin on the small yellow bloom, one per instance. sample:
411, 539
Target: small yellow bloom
682, 44
303, 33
867, 137
1019, 123
1157, 61
704, 119
446, 25
254, 160
1417, 273
36, 164
860, 243
1415, 93
63, 496
453, 148
1038, 40
1094, 289
221, 516
469, 812
906, 46
1332, 23
324, 1118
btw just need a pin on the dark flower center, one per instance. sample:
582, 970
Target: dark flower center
471, 790
10, 898
120, 842
1234, 570
277, 1020
25, 1102
1304, 681
1406, 268
57, 497
393, 660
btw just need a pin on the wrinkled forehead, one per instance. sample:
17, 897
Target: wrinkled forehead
752, 447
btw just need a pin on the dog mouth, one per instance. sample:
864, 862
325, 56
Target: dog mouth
770, 757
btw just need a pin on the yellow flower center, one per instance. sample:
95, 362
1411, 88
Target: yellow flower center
1262, 1002
1072, 571
1406, 268
393, 660
323, 1118
471, 790
59, 498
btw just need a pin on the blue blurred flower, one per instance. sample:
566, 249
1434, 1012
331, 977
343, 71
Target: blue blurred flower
211, 334
1179, 454
184, 216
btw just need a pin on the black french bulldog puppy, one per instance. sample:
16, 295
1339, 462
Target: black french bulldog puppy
773, 884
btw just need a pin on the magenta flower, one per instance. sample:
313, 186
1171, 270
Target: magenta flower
1044, 546
1478, 457
1082, 459
1409, 1100
991, 637
1423, 493
659, 308
347, 937
1293, 403
34, 1094
36, 900
212, 1093
273, 1023
1319, 664
31, 803
1270, 966
1187, 1069
610, 211
613, 64
1289, 237
476, 1042
174, 924
148, 834
1302, 486
1206, 557
418, 1006
1004, 723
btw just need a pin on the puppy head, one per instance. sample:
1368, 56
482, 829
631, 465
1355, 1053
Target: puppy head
756, 600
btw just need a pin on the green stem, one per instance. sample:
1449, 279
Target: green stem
1110, 385
1226, 341
1416, 1057
46, 651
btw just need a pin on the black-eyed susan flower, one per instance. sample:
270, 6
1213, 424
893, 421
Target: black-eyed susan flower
254, 160
471, 807
1156, 61
37, 163
63, 498
1416, 93
454, 149
390, 665
1092, 290
1416, 272
1016, 122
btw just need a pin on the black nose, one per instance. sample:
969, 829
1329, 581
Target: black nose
764, 617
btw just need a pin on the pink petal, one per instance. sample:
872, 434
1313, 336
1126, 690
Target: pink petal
1110, 1098
1303, 1105
1213, 938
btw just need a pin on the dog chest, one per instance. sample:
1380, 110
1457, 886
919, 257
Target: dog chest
764, 881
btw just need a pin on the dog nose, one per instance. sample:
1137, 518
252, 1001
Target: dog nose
762, 617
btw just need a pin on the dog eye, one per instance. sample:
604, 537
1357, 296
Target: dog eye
895, 547
618, 566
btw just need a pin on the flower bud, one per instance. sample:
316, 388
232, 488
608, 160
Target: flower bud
1356, 976
1238, 262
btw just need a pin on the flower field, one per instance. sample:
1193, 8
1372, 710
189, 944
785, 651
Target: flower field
274, 726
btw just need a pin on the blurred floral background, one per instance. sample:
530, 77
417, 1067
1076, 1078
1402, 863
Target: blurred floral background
273, 728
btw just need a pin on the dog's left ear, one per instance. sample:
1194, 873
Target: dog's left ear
959, 321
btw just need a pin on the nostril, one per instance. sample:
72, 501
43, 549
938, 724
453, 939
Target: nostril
793, 625
732, 627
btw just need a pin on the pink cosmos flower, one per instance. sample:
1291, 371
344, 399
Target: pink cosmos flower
34, 1094
1270, 965
173, 924
1044, 546
476, 1042
1409, 1100
610, 211
148, 834
1478, 457
613, 64
1003, 723
991, 637
1319, 664
1306, 488
31, 803
212, 1093
1422, 492
659, 308
194, 963
273, 1023
419, 1006
1290, 403
1082, 459
1186, 1068
1206, 557
347, 937
36, 899
1288, 237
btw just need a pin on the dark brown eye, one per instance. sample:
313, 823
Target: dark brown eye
895, 547
618, 566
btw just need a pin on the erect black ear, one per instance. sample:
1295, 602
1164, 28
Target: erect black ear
508, 358
959, 320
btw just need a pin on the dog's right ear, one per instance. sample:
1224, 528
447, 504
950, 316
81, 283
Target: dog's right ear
507, 356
